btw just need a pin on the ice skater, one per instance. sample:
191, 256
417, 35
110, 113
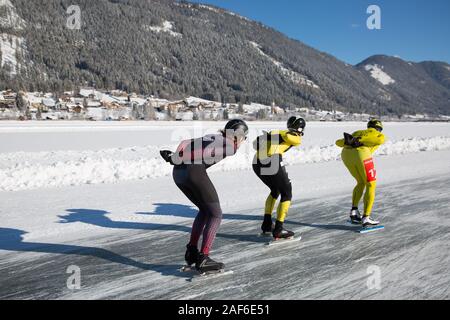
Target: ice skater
268, 166
357, 155
191, 161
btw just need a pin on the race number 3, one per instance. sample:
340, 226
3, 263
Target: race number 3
371, 173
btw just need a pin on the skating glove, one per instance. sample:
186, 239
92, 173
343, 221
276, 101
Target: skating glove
352, 141
167, 156
299, 132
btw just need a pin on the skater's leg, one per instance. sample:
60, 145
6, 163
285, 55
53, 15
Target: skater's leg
358, 191
283, 209
213, 222
285, 187
269, 181
367, 170
354, 166
213, 213
205, 191
197, 228
270, 204
271, 200
183, 179
369, 198
201, 218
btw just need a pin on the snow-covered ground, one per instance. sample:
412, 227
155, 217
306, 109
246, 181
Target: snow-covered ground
378, 74
167, 26
127, 227
290, 74
9, 46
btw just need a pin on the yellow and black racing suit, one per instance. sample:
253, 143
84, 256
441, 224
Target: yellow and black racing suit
268, 166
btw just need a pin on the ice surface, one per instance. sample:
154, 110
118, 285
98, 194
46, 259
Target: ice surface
129, 238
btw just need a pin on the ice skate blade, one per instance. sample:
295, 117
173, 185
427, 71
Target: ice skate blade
265, 234
196, 276
205, 275
279, 242
210, 274
185, 269
354, 223
371, 229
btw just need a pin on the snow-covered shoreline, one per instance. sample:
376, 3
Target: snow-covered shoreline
29, 170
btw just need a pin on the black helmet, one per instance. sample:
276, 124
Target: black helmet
375, 124
239, 128
295, 123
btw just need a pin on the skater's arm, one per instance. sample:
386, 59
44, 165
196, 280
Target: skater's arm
167, 156
219, 148
292, 138
372, 139
340, 143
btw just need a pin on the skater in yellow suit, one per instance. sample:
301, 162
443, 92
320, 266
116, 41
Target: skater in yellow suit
357, 153
268, 166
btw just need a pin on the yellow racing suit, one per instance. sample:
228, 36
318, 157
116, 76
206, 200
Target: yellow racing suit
268, 166
359, 162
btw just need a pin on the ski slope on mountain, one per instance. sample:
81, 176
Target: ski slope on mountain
128, 237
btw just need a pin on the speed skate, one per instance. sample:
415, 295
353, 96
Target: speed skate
280, 242
196, 275
364, 230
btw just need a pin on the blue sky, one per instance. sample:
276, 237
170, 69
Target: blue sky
414, 30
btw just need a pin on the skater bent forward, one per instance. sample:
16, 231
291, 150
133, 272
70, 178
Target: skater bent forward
191, 160
357, 155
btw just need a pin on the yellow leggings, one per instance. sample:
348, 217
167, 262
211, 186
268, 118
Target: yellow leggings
282, 210
358, 162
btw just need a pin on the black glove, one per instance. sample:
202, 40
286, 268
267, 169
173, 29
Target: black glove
167, 156
352, 141
297, 132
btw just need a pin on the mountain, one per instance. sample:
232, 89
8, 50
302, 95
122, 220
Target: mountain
423, 85
173, 49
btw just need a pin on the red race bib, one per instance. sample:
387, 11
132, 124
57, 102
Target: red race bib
371, 173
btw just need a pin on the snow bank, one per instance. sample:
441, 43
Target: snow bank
31, 170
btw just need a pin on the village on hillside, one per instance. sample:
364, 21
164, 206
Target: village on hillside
94, 105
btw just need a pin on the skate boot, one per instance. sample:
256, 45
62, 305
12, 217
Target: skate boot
280, 233
367, 222
355, 216
192, 255
205, 264
267, 226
